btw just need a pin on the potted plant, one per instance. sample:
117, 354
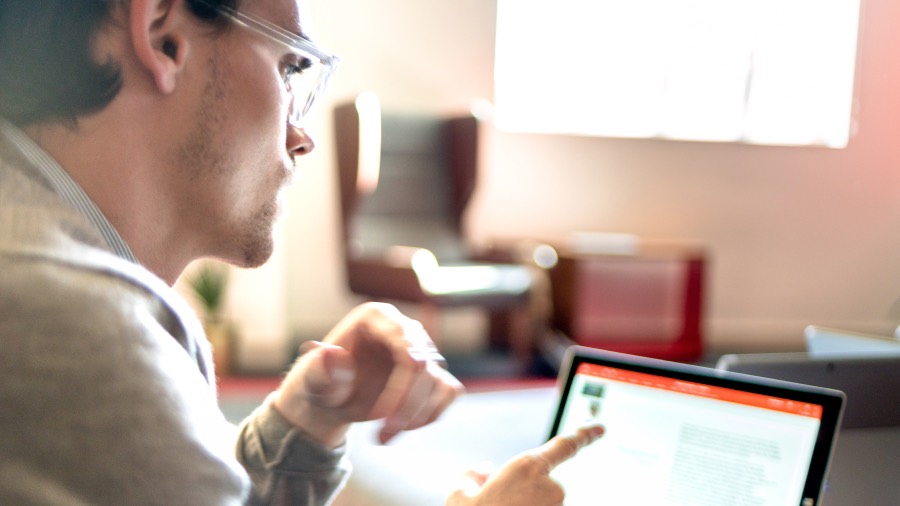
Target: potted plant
209, 284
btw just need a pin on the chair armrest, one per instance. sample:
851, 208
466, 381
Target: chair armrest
384, 277
523, 252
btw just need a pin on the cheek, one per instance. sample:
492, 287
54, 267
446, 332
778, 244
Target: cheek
259, 89
256, 133
270, 92
257, 101
267, 116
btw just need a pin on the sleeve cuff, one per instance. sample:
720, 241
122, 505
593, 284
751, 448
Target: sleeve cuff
288, 449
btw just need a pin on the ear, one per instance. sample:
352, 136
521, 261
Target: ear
159, 40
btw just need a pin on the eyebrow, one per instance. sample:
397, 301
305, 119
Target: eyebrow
287, 31
283, 31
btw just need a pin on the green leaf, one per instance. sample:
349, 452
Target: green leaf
209, 285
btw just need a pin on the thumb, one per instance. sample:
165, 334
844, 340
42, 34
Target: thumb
470, 484
326, 372
477, 476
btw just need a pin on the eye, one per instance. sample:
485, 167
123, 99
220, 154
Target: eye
289, 69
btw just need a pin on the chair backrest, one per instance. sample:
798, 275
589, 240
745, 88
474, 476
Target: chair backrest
405, 179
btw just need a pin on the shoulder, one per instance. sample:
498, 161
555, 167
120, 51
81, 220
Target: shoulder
87, 292
55, 261
97, 391
53, 312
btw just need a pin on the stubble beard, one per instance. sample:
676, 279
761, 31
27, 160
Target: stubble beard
246, 242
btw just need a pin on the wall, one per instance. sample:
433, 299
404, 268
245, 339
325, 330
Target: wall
796, 235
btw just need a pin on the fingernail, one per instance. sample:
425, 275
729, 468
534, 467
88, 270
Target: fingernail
595, 431
393, 425
386, 435
341, 374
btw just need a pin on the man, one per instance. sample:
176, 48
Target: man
138, 136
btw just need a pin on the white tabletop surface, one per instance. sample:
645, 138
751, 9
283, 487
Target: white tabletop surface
421, 467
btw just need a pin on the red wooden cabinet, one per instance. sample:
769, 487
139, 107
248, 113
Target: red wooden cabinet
648, 303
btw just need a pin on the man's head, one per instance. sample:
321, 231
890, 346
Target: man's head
188, 109
46, 51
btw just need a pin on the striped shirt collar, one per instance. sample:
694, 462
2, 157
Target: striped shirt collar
66, 187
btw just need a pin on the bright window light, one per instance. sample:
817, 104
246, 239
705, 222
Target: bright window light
756, 71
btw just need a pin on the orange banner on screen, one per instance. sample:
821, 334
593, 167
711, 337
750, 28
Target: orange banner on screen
712, 392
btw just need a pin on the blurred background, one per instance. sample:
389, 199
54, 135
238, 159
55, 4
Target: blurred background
794, 235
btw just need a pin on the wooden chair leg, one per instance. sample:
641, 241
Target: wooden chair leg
513, 330
498, 330
521, 332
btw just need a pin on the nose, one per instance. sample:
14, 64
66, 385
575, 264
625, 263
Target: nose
298, 141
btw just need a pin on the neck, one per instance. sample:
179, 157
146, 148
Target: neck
121, 175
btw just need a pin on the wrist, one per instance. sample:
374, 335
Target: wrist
311, 420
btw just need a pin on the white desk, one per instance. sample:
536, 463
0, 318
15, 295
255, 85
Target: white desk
421, 467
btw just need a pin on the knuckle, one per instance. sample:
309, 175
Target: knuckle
569, 445
371, 308
557, 494
533, 464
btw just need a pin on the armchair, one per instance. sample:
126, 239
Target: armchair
405, 181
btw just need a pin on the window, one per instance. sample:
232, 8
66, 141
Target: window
757, 71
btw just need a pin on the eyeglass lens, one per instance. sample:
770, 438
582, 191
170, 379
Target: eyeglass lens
304, 86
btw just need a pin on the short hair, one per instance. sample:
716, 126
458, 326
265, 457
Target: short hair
47, 71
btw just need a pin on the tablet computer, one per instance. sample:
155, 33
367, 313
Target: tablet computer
679, 434
827, 341
870, 383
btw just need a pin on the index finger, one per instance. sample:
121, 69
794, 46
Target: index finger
562, 448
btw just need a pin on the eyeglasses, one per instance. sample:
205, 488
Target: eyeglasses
305, 78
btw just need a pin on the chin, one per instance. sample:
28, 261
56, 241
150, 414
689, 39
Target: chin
256, 254
258, 242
